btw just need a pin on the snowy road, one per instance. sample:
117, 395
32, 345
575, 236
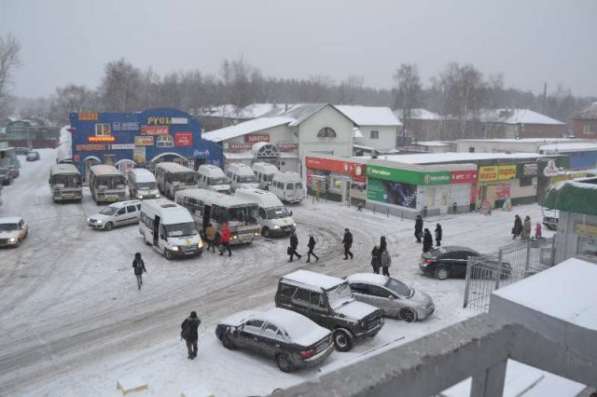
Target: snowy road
69, 303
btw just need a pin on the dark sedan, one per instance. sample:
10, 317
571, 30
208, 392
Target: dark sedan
32, 156
289, 338
451, 261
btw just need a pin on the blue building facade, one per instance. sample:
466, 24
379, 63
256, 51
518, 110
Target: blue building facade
140, 139
584, 160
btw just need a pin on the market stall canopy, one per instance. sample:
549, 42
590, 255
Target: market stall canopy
578, 196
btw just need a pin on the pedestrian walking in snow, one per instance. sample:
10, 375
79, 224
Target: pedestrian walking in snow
538, 231
419, 228
347, 242
225, 239
438, 235
427, 241
293, 246
384, 256
311, 246
189, 333
517, 228
139, 268
376, 259
526, 228
210, 236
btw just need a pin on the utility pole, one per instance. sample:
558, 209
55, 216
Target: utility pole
543, 105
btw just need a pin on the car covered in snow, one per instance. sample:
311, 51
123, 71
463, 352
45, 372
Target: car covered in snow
13, 230
289, 338
451, 262
395, 298
118, 214
329, 302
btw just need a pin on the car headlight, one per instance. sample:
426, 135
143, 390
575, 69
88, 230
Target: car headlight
140, 196
200, 244
174, 248
157, 195
234, 237
276, 227
12, 240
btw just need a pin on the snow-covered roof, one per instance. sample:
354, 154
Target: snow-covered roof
287, 176
588, 113
368, 278
169, 166
10, 220
419, 114
566, 292
143, 175
261, 197
212, 197
356, 133
246, 127
523, 140
251, 111
309, 278
105, 169
251, 155
429, 158
432, 143
370, 115
516, 116
568, 147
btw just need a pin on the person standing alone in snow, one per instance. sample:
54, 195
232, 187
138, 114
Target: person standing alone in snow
347, 242
189, 333
384, 256
419, 228
311, 245
225, 239
517, 228
427, 241
292, 248
438, 235
139, 268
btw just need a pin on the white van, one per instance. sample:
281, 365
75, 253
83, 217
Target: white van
288, 186
275, 219
169, 229
172, 177
212, 177
265, 173
241, 175
117, 214
142, 184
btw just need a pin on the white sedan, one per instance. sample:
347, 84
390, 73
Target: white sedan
117, 214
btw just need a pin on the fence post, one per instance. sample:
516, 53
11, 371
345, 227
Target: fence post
528, 259
499, 270
467, 283
553, 251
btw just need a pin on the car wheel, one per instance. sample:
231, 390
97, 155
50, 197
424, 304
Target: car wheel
167, 254
408, 315
228, 344
343, 340
265, 232
283, 362
442, 273
108, 226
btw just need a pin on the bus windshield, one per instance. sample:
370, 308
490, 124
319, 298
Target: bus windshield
277, 213
146, 185
181, 229
247, 179
66, 180
217, 181
245, 215
187, 178
110, 182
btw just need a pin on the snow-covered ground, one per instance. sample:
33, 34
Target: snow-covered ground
72, 321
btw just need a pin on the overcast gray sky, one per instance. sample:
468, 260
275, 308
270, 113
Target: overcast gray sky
529, 41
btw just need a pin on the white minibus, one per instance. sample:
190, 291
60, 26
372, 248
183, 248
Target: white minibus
107, 184
142, 184
172, 177
288, 186
212, 177
241, 175
275, 219
265, 173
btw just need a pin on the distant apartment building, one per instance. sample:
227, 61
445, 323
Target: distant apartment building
584, 122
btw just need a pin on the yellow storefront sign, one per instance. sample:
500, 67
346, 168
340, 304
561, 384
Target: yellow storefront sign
586, 230
506, 172
488, 173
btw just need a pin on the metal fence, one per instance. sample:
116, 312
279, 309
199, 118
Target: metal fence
518, 260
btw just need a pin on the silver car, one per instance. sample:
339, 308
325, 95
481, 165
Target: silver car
395, 298
118, 214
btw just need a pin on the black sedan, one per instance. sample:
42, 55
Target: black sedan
291, 339
451, 261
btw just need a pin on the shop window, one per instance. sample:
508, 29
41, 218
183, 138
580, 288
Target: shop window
326, 132
526, 181
103, 129
374, 134
587, 129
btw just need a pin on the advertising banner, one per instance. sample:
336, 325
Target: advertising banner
506, 172
530, 169
122, 146
254, 138
182, 139
144, 140
488, 173
464, 176
397, 193
125, 126
90, 147
101, 138
238, 147
355, 170
287, 147
139, 154
408, 176
154, 130
164, 141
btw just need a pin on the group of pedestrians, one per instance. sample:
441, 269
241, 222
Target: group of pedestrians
218, 239
293, 245
523, 229
381, 258
424, 234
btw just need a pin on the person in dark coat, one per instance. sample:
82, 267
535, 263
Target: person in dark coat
347, 242
517, 228
292, 248
419, 228
139, 268
427, 241
385, 258
189, 333
376, 259
438, 235
311, 246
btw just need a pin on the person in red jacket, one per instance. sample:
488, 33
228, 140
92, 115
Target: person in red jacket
225, 239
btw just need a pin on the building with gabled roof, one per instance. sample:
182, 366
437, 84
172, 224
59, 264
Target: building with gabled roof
584, 122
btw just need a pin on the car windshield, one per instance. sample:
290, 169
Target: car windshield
181, 229
217, 181
8, 227
146, 185
268, 178
277, 213
247, 179
339, 295
187, 178
399, 288
108, 211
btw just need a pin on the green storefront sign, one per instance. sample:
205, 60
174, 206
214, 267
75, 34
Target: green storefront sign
408, 176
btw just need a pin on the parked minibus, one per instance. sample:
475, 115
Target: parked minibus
172, 177
107, 184
142, 184
275, 219
212, 177
265, 173
288, 186
66, 183
241, 175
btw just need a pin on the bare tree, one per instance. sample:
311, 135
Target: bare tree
408, 92
350, 89
72, 98
121, 87
9, 61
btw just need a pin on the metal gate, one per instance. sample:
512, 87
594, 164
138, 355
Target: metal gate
518, 260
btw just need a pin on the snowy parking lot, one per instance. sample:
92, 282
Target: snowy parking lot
72, 320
